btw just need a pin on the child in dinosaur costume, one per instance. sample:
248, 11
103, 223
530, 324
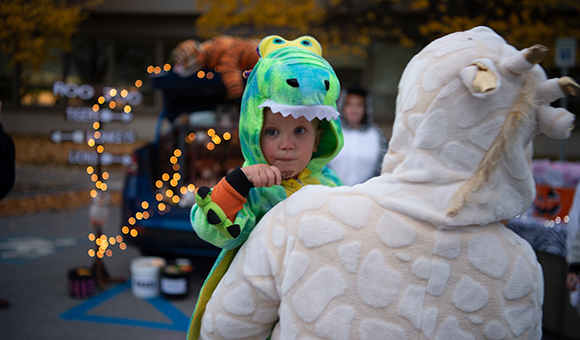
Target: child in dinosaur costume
233, 55
292, 81
418, 252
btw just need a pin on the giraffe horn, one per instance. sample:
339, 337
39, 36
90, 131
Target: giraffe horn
526, 59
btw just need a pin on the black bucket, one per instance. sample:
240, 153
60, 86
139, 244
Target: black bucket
174, 280
81, 282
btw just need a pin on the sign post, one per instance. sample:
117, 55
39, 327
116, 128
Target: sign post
97, 137
565, 59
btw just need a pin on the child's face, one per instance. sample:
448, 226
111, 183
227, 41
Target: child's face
354, 109
288, 143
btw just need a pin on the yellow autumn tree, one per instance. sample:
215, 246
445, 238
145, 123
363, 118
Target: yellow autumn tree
522, 23
334, 21
409, 22
348, 24
253, 17
29, 29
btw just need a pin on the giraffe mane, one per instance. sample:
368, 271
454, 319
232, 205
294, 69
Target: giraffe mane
519, 114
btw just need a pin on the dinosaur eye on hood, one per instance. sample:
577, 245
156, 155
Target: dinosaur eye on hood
293, 82
327, 85
275, 42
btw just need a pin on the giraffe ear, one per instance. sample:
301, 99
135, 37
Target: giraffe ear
485, 80
481, 77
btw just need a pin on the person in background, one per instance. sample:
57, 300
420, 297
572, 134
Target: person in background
573, 247
7, 172
7, 161
364, 142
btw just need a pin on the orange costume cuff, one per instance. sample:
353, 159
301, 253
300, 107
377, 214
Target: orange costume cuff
231, 201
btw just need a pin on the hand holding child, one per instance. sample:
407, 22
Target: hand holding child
263, 175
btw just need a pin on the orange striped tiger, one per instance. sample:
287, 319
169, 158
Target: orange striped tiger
233, 55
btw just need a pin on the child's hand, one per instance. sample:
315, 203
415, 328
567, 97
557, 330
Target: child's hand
263, 175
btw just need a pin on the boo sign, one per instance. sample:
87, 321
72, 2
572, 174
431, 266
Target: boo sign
87, 92
72, 90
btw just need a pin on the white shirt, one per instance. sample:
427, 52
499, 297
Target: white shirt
358, 159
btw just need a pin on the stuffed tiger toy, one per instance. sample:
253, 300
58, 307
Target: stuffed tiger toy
228, 55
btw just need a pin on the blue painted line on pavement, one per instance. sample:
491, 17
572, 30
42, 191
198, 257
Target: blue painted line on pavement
180, 321
20, 249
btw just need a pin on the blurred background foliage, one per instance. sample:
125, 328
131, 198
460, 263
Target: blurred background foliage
354, 24
116, 42
29, 29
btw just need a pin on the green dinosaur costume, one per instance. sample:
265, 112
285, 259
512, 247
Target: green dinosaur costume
292, 78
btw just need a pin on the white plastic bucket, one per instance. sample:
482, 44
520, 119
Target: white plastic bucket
145, 276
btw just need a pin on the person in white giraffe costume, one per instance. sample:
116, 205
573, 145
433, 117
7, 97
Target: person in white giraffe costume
418, 252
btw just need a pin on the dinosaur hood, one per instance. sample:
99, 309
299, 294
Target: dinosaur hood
293, 81
468, 107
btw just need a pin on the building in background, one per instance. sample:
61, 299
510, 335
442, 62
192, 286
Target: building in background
121, 42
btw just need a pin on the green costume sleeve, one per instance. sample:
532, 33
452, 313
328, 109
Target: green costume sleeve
260, 200
205, 230
209, 233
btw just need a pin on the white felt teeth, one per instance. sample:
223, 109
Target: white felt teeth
307, 111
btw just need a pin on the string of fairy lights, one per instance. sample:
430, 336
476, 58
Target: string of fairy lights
168, 189
549, 223
112, 99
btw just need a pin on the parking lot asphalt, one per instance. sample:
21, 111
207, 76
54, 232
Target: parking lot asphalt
39, 245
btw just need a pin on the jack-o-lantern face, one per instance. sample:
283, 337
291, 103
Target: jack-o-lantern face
548, 202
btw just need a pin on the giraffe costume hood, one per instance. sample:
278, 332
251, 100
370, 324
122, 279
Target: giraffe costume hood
418, 252
468, 108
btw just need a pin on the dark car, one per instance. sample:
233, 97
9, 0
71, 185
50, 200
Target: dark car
195, 144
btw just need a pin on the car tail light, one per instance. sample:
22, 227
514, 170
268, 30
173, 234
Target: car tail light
133, 168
